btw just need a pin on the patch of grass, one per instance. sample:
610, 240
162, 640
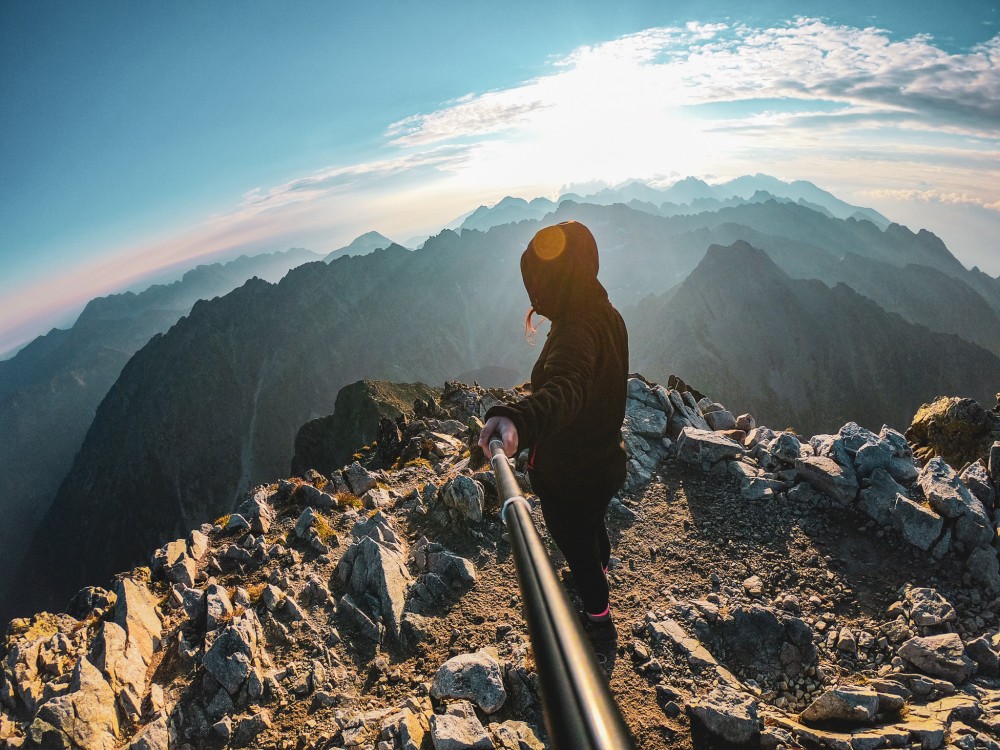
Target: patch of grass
324, 530
222, 520
347, 500
419, 462
256, 590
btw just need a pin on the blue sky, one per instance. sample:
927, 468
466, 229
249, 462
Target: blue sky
140, 136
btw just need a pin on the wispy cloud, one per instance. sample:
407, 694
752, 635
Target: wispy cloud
935, 196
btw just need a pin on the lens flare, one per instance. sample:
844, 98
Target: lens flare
549, 243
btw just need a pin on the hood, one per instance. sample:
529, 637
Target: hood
559, 269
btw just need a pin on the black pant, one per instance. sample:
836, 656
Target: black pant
574, 514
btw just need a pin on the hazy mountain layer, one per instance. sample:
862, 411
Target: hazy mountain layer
50, 390
799, 353
211, 408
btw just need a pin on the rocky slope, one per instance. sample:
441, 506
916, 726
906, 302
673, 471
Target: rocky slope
209, 410
50, 390
769, 588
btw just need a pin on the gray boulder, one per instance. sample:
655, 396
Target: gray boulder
878, 499
919, 525
720, 419
928, 608
154, 736
785, 447
465, 497
237, 659
977, 478
476, 677
941, 656
829, 477
704, 447
359, 479
644, 421
218, 607
374, 571
83, 718
843, 704
952, 499
727, 714
458, 728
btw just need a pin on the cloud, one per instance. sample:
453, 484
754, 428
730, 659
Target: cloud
935, 196
921, 86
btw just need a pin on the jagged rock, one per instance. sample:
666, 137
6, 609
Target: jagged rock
218, 607
359, 479
476, 677
83, 718
843, 704
977, 478
326, 444
939, 656
727, 714
258, 511
459, 729
878, 499
237, 656
135, 612
952, 499
745, 422
993, 464
644, 420
984, 567
236, 522
456, 571
375, 574
250, 727
959, 430
986, 653
153, 736
316, 498
375, 498
90, 602
684, 413
120, 660
350, 611
39, 651
704, 447
785, 447
828, 477
928, 608
720, 419
465, 497
832, 447
515, 735
920, 526
377, 527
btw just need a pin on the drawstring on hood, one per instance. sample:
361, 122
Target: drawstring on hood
559, 269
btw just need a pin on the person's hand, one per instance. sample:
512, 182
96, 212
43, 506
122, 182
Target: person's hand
508, 434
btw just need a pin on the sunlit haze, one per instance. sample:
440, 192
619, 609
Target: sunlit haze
137, 138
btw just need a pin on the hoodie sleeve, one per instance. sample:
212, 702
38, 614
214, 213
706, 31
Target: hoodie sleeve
567, 373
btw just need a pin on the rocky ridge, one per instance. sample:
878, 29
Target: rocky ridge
769, 588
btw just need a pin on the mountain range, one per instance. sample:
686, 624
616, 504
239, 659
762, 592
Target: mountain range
808, 311
49, 391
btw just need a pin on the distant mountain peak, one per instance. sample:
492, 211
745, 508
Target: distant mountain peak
362, 245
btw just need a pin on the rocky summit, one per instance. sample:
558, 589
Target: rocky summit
771, 589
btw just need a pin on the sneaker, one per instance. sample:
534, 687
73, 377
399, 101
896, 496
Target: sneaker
603, 637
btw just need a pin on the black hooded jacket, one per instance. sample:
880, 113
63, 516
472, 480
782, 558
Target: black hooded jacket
572, 419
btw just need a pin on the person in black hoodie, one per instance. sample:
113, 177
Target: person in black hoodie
572, 419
